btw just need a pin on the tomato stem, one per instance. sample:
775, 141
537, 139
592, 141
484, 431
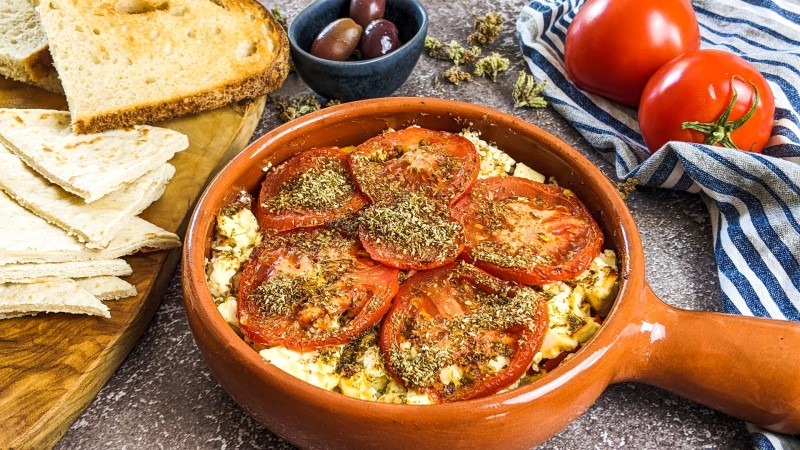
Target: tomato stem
719, 131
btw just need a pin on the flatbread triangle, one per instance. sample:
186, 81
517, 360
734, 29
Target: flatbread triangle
30, 239
32, 273
95, 223
88, 165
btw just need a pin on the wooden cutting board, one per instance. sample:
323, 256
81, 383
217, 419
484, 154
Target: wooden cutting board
53, 365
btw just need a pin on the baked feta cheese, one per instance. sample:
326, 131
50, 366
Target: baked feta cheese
494, 162
357, 369
316, 367
237, 234
573, 303
523, 171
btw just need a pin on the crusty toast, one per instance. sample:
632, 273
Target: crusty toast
126, 62
23, 46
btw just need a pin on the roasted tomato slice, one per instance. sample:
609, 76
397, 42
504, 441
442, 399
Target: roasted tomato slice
529, 232
309, 189
411, 232
311, 288
459, 333
437, 164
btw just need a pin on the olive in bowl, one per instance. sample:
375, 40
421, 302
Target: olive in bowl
349, 80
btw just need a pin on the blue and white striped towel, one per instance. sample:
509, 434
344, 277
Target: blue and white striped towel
753, 200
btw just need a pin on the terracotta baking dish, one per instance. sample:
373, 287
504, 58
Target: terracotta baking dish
742, 366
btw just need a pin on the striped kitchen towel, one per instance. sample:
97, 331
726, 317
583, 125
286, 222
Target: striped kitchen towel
753, 200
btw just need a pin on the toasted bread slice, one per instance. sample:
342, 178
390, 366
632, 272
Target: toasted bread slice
126, 62
23, 46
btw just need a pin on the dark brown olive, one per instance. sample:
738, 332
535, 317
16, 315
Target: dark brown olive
365, 11
337, 41
380, 37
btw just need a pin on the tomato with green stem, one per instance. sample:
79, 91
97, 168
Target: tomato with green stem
709, 97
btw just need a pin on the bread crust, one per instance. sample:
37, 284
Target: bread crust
247, 87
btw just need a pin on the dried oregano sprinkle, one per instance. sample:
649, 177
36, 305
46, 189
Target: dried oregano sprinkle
414, 225
455, 75
291, 108
323, 188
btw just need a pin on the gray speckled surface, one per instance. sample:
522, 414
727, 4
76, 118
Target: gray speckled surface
163, 395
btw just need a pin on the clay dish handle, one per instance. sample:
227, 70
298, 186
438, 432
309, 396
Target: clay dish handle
743, 366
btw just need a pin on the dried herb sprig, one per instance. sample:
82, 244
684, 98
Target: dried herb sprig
452, 51
276, 13
626, 187
527, 92
291, 108
487, 28
455, 75
491, 66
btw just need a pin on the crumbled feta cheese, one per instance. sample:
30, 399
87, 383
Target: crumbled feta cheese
237, 235
499, 363
317, 367
369, 383
228, 311
571, 321
494, 162
451, 374
396, 393
523, 171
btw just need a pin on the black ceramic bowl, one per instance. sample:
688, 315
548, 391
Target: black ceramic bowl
356, 80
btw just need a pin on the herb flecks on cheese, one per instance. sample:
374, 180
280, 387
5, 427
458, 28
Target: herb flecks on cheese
575, 304
237, 234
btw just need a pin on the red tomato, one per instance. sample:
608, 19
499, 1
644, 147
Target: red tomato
460, 316
614, 46
695, 92
412, 232
311, 288
529, 232
309, 189
437, 164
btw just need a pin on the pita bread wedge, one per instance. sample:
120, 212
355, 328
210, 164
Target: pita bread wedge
107, 288
50, 296
33, 273
30, 239
94, 223
87, 165
13, 315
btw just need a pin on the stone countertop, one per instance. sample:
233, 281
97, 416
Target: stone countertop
163, 395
